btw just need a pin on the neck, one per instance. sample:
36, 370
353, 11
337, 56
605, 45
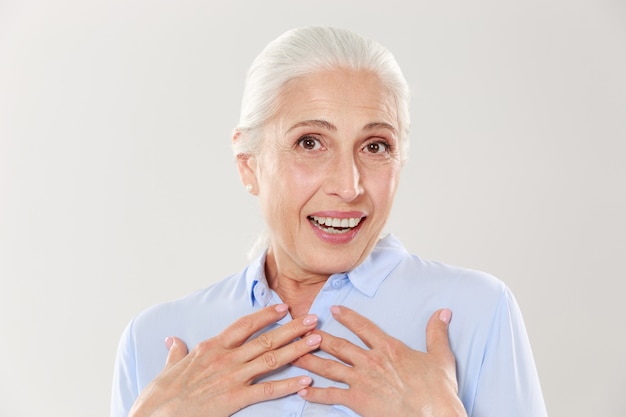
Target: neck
297, 290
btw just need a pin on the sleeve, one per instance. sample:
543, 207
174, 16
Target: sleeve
508, 383
124, 388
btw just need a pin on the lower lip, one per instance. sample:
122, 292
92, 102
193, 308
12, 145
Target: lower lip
336, 238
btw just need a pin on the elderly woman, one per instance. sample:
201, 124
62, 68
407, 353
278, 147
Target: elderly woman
331, 320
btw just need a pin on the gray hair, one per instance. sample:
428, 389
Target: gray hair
304, 51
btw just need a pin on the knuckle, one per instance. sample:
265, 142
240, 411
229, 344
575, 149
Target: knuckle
199, 355
209, 354
265, 341
390, 350
338, 345
270, 360
389, 346
362, 326
269, 389
293, 326
378, 360
326, 368
245, 323
204, 346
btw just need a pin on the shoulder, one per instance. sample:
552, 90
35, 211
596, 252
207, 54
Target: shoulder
400, 262
192, 301
192, 318
209, 310
393, 275
454, 277
478, 299
432, 278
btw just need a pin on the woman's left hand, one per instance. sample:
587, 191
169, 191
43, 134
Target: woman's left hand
390, 378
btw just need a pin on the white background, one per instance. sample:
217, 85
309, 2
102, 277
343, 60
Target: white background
118, 189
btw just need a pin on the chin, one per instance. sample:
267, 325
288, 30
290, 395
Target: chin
333, 261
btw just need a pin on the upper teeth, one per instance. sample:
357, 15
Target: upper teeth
335, 222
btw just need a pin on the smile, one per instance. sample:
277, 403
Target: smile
335, 225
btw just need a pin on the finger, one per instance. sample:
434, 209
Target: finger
241, 330
278, 337
342, 349
274, 359
330, 396
177, 351
327, 368
437, 342
365, 329
270, 390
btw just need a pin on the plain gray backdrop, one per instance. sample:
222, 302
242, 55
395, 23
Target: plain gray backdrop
118, 189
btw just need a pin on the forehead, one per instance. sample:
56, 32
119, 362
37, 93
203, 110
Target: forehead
337, 96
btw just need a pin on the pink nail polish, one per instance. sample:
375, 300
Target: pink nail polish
281, 308
335, 310
169, 342
305, 380
310, 320
445, 315
314, 340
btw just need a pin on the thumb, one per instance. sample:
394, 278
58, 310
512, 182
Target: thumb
437, 341
438, 344
177, 350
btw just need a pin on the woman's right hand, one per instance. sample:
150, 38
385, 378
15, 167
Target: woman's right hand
216, 377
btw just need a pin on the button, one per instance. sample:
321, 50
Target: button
337, 283
262, 293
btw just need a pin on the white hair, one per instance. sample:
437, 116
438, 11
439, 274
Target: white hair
304, 51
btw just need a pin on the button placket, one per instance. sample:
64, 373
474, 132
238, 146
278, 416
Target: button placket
334, 292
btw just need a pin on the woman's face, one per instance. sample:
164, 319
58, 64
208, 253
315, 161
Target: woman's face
328, 172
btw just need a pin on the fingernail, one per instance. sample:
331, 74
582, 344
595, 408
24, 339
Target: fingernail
310, 320
302, 393
313, 340
281, 308
445, 315
169, 341
305, 380
335, 310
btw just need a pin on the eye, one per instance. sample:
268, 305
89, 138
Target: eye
309, 143
377, 147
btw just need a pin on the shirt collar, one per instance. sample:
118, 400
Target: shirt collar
366, 277
255, 275
370, 274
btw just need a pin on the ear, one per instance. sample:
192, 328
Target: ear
246, 165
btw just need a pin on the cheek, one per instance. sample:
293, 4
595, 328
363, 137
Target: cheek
301, 179
287, 188
383, 186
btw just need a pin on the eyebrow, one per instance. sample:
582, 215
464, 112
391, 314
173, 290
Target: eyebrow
378, 125
329, 126
314, 123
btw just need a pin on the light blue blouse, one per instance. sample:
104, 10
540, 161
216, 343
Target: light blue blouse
398, 291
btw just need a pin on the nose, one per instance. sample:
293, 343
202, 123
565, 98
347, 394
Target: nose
344, 179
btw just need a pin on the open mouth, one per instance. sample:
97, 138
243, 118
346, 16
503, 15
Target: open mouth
334, 225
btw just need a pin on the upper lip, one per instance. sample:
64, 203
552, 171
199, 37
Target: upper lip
336, 214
